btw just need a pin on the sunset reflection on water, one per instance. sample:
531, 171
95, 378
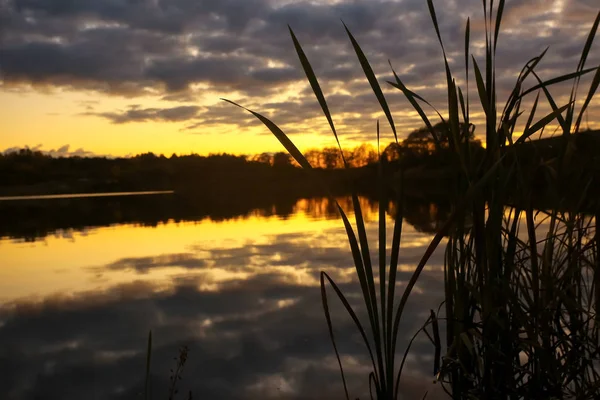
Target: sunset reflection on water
243, 294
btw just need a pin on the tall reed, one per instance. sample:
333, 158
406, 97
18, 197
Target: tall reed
521, 313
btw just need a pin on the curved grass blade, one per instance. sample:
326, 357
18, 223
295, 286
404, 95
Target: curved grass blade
483, 96
394, 255
330, 328
366, 257
588, 99
437, 31
532, 113
373, 382
584, 55
352, 314
467, 43
356, 255
405, 355
498, 22
525, 71
561, 120
558, 79
148, 359
588, 43
372, 80
314, 84
280, 135
436, 342
360, 270
399, 85
435, 24
411, 98
413, 280
453, 119
542, 123
382, 247
463, 109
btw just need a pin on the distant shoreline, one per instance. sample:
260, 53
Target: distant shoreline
82, 195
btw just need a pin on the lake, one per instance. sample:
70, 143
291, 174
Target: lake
83, 281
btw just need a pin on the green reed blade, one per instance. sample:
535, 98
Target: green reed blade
407, 92
515, 94
366, 258
382, 246
365, 253
588, 43
485, 19
483, 96
453, 118
561, 120
148, 359
435, 22
360, 269
437, 342
350, 311
463, 109
467, 44
542, 123
406, 351
314, 84
413, 280
372, 81
498, 22
558, 79
394, 255
532, 113
449, 78
373, 382
588, 99
584, 54
411, 98
330, 329
280, 135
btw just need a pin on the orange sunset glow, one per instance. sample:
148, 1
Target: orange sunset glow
123, 78
312, 199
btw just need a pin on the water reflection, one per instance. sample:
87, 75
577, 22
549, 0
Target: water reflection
32, 220
242, 294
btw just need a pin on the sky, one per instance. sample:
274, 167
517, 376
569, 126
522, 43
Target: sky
123, 77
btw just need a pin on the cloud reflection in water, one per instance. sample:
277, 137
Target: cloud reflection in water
250, 312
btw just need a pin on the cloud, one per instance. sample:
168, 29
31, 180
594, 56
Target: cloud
63, 151
250, 313
145, 264
184, 50
136, 114
254, 336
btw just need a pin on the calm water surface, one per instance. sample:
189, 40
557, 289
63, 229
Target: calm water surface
83, 195
76, 303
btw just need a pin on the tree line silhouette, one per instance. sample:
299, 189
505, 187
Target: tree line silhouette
426, 166
33, 172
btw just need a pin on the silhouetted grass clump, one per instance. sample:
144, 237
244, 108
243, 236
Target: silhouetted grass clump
521, 285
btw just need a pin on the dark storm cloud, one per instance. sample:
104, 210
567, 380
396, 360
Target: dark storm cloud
167, 48
136, 114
